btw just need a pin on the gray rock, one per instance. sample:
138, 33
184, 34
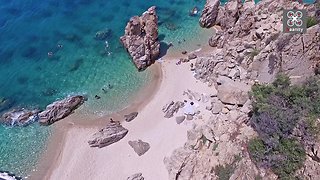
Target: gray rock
5, 175
215, 40
192, 56
167, 107
233, 92
130, 116
173, 109
20, 117
112, 133
141, 38
180, 119
209, 13
189, 117
137, 176
208, 133
216, 107
139, 146
60, 109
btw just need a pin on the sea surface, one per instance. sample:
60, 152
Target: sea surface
49, 51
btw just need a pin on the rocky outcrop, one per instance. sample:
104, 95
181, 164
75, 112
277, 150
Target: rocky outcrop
139, 146
20, 117
209, 13
171, 108
112, 133
4, 175
232, 92
131, 116
294, 55
137, 176
141, 38
60, 109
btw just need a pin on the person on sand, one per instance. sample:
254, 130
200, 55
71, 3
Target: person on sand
111, 120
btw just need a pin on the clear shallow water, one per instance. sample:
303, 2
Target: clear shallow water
29, 29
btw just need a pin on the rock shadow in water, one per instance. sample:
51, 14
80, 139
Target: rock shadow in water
49, 92
76, 65
6, 56
163, 49
30, 53
23, 80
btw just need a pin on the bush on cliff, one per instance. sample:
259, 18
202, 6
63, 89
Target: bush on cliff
284, 116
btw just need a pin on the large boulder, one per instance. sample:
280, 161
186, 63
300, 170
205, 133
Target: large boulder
229, 14
19, 117
131, 116
209, 13
139, 146
232, 92
141, 38
112, 133
60, 109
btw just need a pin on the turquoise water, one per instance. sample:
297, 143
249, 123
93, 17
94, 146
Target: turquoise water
80, 64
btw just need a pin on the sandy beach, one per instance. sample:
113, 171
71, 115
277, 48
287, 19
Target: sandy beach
77, 160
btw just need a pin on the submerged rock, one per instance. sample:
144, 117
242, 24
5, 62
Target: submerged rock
139, 146
5, 104
112, 133
141, 38
60, 109
20, 117
103, 34
209, 13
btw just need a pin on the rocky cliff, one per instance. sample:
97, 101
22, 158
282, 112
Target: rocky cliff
209, 13
248, 48
141, 38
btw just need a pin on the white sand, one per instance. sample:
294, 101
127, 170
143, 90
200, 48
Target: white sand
118, 161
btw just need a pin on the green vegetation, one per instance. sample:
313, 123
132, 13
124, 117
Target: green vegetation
225, 172
284, 116
311, 21
254, 53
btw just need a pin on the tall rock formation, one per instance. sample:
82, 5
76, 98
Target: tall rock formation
209, 13
141, 38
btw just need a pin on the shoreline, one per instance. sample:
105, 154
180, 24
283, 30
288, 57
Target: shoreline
52, 157
57, 139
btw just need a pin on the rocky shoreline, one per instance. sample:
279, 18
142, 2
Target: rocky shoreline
250, 48
54, 112
210, 101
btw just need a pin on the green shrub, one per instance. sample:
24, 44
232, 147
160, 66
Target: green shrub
279, 109
311, 21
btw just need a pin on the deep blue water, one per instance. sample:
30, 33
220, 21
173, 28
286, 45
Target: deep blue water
80, 64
